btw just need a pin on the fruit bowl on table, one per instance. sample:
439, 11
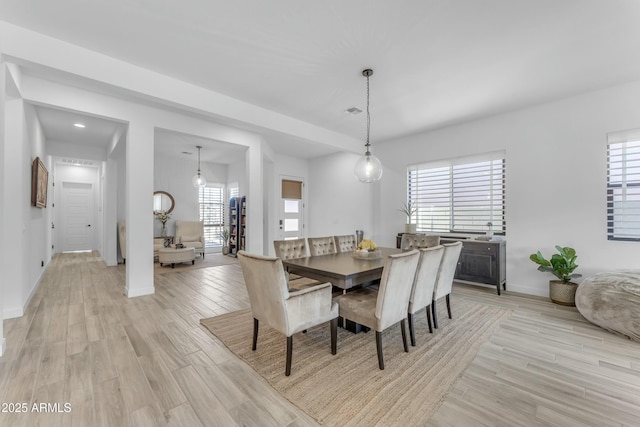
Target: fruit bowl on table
366, 254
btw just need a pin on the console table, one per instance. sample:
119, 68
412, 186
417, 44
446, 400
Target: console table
480, 261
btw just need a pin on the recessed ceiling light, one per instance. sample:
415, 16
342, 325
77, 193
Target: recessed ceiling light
79, 125
353, 110
187, 153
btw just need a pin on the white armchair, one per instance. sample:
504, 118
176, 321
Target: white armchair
191, 235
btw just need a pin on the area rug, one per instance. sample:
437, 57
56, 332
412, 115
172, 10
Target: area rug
348, 388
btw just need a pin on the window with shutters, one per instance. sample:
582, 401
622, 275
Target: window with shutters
623, 185
212, 208
461, 195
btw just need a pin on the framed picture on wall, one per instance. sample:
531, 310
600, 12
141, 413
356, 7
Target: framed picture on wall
39, 181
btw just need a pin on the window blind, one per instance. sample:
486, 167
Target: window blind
291, 189
459, 195
623, 185
212, 214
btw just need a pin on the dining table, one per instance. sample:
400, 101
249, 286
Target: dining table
344, 270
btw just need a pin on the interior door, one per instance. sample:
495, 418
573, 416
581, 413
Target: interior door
291, 218
77, 232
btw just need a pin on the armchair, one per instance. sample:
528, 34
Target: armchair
191, 235
418, 241
286, 311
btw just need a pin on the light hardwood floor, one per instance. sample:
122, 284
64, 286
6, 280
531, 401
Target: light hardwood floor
147, 361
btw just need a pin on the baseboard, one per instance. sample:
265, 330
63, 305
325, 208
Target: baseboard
140, 292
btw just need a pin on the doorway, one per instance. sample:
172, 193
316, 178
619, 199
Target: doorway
291, 209
77, 217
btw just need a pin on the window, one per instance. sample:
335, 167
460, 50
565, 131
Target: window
459, 195
212, 213
623, 185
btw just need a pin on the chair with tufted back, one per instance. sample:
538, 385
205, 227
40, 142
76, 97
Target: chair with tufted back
295, 248
418, 241
346, 243
322, 245
289, 249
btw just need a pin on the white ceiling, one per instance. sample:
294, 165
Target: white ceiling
435, 62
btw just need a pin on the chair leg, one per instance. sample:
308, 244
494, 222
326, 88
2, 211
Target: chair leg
333, 324
448, 306
379, 348
255, 334
412, 333
287, 370
429, 318
435, 316
404, 336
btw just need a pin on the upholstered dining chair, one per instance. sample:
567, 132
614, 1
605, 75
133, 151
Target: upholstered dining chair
321, 245
418, 241
424, 283
294, 248
388, 306
347, 243
287, 312
445, 277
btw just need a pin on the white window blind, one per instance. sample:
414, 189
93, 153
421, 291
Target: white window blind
623, 185
212, 213
459, 195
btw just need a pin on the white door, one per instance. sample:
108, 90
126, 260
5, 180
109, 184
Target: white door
291, 222
77, 217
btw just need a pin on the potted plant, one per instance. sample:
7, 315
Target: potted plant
561, 265
408, 209
225, 240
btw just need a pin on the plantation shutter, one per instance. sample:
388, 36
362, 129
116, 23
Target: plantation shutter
459, 195
623, 185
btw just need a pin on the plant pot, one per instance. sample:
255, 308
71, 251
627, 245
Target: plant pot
225, 250
563, 293
410, 228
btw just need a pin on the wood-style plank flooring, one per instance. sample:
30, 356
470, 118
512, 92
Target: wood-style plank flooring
147, 361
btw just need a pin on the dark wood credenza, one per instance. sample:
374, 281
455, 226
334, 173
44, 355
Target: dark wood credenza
480, 261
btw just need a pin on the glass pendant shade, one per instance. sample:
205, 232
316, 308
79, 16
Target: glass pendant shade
368, 168
199, 181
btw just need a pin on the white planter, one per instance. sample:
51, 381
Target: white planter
410, 228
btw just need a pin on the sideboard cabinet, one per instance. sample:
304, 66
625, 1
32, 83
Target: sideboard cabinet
482, 262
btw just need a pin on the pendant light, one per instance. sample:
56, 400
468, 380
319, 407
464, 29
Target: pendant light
368, 167
198, 180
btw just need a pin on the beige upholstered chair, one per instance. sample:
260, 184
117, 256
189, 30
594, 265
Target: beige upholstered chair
321, 245
191, 235
423, 284
346, 243
445, 277
388, 306
295, 248
418, 241
287, 312
122, 239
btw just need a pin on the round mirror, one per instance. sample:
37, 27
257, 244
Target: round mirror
162, 202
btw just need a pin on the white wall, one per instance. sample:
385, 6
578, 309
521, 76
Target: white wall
339, 203
556, 179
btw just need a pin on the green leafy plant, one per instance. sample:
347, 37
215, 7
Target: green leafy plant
560, 265
408, 209
225, 236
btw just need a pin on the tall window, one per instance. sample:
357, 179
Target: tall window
461, 195
623, 186
212, 213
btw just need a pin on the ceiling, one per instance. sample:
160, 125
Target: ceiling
435, 62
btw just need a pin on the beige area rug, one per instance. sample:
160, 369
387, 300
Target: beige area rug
348, 388
210, 260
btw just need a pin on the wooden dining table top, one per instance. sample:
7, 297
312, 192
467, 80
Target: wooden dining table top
341, 269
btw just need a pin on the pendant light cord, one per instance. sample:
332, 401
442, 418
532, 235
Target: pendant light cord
368, 115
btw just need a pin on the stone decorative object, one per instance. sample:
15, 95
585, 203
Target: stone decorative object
612, 301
